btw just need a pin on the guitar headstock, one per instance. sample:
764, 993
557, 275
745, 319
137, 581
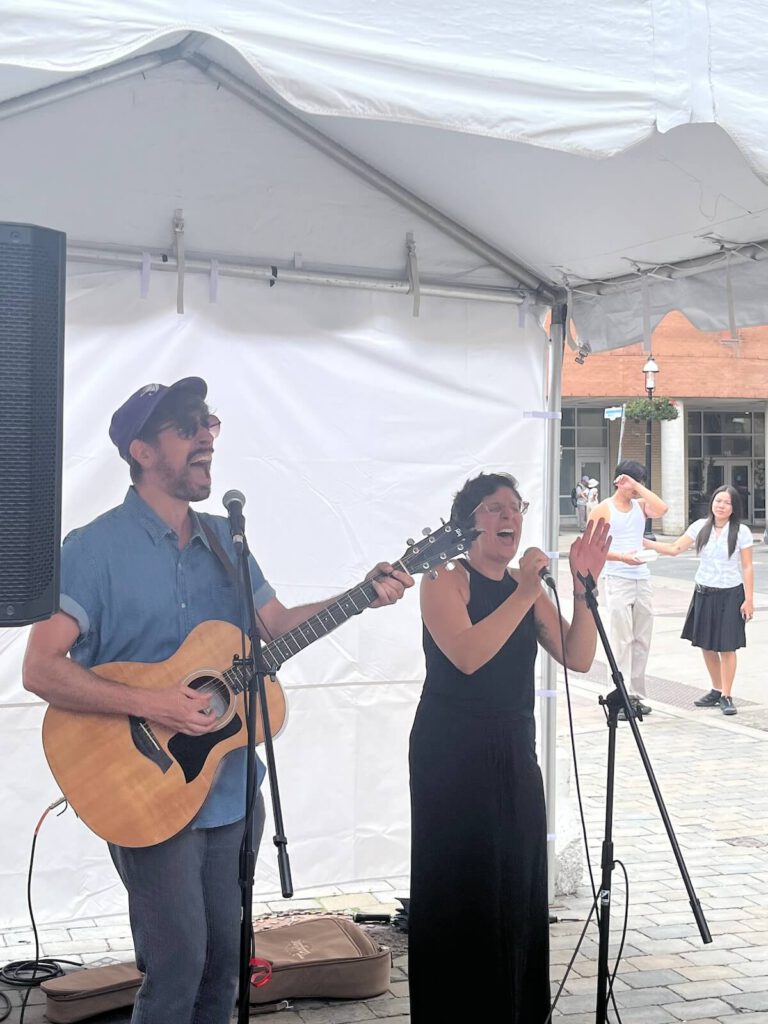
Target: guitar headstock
437, 548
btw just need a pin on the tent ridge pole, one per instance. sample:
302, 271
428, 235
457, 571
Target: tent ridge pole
128, 68
371, 175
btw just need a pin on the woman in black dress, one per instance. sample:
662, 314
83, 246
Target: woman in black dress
478, 917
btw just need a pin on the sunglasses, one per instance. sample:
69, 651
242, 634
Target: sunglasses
192, 427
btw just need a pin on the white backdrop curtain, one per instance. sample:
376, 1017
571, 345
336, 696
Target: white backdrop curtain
348, 425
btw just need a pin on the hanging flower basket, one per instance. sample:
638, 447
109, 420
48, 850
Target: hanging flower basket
651, 409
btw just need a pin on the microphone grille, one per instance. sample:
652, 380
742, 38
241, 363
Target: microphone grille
233, 495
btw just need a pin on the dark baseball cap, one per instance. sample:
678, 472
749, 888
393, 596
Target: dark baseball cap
128, 421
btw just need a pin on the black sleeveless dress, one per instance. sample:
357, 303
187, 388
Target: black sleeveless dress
478, 932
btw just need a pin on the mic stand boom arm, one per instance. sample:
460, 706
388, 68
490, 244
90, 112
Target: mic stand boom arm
615, 700
255, 691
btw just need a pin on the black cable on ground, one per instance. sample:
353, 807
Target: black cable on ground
28, 974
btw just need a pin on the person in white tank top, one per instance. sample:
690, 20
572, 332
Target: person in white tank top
627, 585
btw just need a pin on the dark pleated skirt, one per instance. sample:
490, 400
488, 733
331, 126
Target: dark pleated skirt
478, 932
714, 620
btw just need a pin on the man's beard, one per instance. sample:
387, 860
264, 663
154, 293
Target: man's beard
179, 483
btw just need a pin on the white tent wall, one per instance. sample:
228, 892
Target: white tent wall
348, 424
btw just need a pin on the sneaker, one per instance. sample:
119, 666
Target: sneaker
727, 706
638, 708
638, 705
709, 700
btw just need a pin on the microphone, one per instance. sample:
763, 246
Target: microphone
548, 578
233, 502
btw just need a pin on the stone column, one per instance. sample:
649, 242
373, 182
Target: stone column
673, 458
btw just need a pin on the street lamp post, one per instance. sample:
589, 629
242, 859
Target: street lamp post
650, 370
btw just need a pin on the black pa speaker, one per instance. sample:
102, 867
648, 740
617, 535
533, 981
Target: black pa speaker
32, 262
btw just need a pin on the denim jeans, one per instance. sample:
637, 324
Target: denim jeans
184, 902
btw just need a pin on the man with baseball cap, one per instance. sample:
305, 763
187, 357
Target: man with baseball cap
134, 583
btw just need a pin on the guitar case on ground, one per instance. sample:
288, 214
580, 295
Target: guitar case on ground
320, 958
310, 958
87, 993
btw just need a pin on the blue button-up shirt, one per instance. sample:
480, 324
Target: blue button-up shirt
136, 597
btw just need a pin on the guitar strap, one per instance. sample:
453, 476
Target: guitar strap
229, 569
218, 550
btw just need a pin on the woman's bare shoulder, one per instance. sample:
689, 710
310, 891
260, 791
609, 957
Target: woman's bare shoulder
446, 582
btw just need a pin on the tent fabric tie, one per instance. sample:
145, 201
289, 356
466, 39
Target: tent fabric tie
213, 281
522, 310
729, 294
146, 270
178, 238
413, 272
569, 338
645, 296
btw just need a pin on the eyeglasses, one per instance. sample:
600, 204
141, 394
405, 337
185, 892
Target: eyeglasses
191, 428
497, 507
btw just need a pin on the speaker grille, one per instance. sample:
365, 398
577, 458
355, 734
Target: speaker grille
31, 365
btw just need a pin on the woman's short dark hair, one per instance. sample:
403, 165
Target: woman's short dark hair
633, 468
733, 523
469, 496
181, 408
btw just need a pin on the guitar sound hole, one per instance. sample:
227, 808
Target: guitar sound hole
219, 692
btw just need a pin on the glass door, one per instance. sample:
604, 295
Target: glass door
595, 465
738, 474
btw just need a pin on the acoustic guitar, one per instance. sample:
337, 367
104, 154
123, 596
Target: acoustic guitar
135, 782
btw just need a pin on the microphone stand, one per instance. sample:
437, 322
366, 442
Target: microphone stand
255, 689
617, 699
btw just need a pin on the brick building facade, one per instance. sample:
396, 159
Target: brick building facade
720, 386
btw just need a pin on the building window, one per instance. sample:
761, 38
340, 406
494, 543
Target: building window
726, 447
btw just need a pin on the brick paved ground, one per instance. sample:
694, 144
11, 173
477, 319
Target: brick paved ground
713, 773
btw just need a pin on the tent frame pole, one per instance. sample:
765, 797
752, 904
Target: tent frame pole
548, 698
271, 272
75, 86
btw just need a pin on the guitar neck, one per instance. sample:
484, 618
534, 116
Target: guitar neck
316, 626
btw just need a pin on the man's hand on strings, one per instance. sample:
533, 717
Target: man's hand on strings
389, 583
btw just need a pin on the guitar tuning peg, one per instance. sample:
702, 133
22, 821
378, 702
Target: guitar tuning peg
450, 566
432, 574
426, 531
442, 521
410, 542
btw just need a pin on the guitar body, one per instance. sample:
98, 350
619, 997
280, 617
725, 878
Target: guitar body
137, 783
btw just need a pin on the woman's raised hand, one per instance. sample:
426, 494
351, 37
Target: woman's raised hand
589, 551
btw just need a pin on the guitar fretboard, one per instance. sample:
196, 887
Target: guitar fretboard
284, 647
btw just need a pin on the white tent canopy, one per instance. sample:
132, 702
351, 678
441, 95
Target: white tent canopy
496, 116
469, 164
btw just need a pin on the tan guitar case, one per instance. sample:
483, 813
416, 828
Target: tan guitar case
82, 994
320, 958
312, 958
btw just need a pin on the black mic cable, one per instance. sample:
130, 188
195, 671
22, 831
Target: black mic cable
548, 578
